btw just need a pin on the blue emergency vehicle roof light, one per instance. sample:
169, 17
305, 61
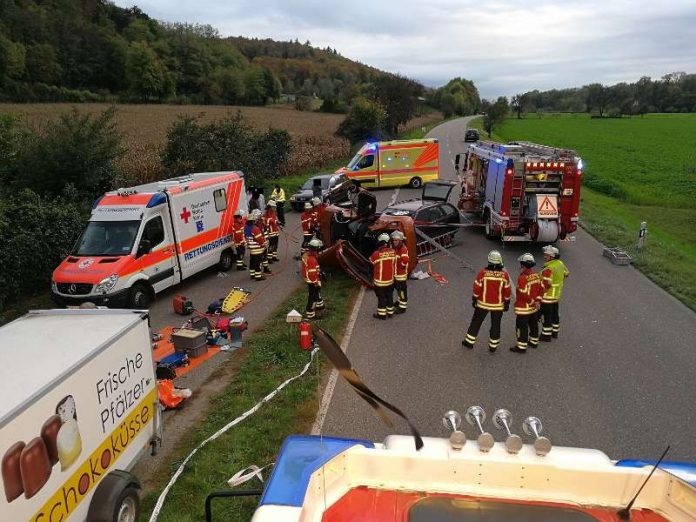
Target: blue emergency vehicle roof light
157, 199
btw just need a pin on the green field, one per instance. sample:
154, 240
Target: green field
636, 169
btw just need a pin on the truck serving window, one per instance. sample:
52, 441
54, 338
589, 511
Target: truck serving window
220, 200
107, 238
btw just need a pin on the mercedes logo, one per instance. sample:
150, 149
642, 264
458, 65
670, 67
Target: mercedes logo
72, 288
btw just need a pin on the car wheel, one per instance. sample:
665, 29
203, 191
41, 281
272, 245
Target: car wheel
415, 183
490, 230
226, 260
140, 297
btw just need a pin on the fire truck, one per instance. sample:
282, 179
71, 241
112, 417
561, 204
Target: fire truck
521, 191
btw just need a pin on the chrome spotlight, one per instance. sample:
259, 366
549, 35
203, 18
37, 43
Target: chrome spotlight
532, 426
453, 421
502, 419
476, 417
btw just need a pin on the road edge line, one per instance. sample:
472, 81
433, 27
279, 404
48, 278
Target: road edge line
331, 384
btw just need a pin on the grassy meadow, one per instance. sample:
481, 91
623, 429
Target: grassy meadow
636, 169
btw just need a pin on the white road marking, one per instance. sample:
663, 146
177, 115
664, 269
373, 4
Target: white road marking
331, 384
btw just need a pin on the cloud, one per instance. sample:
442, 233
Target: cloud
504, 46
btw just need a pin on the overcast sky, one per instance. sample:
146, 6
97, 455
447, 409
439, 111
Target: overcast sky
504, 46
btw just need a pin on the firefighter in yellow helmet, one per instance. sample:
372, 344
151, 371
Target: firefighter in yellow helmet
553, 276
491, 293
527, 298
383, 263
311, 274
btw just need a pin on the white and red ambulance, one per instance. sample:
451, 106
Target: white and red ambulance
143, 239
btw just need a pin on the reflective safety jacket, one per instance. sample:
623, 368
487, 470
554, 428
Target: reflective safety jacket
310, 268
491, 289
528, 292
317, 212
307, 218
553, 275
383, 264
238, 232
270, 223
278, 195
255, 241
401, 273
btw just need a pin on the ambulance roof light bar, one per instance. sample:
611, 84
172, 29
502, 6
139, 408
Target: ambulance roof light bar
126, 192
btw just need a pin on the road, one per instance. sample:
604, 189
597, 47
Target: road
620, 378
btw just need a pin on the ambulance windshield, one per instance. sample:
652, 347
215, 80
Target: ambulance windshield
107, 238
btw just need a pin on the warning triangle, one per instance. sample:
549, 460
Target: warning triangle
547, 205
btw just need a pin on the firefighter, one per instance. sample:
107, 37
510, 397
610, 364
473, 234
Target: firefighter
278, 195
317, 210
527, 297
553, 276
401, 271
491, 293
307, 218
260, 222
383, 263
311, 273
238, 238
256, 244
272, 228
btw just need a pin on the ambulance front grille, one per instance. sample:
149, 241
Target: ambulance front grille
74, 288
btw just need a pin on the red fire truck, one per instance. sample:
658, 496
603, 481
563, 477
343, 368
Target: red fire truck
521, 191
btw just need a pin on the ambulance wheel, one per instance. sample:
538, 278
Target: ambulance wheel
140, 297
226, 260
415, 183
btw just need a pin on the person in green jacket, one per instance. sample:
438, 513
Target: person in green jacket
553, 276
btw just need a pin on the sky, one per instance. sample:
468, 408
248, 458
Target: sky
505, 46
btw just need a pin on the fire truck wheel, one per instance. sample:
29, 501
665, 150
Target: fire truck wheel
490, 230
140, 297
415, 183
226, 260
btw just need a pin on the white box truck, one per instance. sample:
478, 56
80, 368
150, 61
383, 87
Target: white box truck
79, 406
141, 240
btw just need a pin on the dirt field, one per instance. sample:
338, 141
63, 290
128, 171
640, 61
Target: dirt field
145, 128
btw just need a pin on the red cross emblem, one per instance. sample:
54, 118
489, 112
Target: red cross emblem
185, 215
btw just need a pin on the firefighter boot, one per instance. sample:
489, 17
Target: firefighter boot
517, 349
380, 316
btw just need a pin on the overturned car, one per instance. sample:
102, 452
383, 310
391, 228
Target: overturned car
350, 225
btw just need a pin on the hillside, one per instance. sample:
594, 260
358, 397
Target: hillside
92, 50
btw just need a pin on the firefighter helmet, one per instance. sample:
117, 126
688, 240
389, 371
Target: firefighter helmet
549, 250
307, 206
272, 203
239, 213
255, 214
315, 244
383, 238
527, 260
316, 201
494, 258
397, 235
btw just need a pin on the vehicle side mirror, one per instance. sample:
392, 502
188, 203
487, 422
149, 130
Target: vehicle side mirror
143, 248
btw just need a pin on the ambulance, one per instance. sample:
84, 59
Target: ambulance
144, 239
395, 163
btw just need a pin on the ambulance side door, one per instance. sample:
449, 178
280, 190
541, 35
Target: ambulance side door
156, 253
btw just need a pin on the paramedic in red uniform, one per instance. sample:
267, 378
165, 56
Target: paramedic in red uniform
272, 228
311, 274
383, 263
307, 218
401, 272
527, 300
491, 293
238, 238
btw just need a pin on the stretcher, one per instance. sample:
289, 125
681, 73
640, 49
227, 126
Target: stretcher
237, 298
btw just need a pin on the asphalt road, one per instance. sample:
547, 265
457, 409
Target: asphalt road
620, 378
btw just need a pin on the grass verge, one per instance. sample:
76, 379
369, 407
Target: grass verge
272, 356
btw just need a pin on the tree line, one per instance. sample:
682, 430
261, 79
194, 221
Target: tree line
93, 50
674, 92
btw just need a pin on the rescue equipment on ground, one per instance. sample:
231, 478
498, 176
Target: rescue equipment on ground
169, 395
235, 300
182, 305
